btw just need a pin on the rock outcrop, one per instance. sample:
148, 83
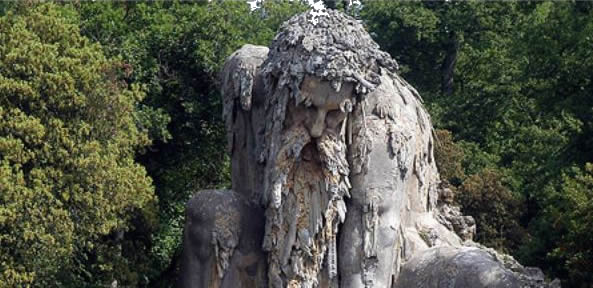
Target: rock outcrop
333, 176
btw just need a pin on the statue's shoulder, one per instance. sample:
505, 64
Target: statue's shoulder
249, 53
239, 73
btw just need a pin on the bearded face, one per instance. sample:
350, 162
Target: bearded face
311, 173
327, 108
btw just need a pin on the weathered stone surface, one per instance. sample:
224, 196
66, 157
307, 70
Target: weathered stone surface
222, 242
450, 215
244, 116
455, 267
467, 267
337, 149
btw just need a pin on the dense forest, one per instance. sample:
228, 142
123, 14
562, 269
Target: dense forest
110, 119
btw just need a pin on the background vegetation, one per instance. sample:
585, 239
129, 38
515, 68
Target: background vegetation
110, 120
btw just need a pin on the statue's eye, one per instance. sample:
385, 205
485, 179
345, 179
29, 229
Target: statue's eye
346, 106
334, 118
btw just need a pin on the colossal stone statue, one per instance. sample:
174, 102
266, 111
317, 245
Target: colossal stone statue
334, 182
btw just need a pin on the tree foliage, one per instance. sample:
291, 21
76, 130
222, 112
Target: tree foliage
177, 49
494, 207
449, 156
574, 217
68, 135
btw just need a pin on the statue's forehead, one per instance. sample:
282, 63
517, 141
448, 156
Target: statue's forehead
323, 94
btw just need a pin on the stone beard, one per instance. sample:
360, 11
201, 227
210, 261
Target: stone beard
334, 182
310, 179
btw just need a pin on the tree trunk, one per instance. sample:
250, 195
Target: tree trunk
448, 66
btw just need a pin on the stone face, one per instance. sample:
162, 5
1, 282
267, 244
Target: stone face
333, 174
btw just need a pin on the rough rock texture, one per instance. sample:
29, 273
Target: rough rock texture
221, 242
450, 215
337, 149
448, 266
468, 266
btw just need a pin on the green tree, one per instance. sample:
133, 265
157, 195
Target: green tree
494, 207
410, 33
571, 212
562, 230
481, 191
177, 49
449, 157
68, 180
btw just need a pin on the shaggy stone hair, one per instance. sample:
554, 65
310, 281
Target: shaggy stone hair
344, 53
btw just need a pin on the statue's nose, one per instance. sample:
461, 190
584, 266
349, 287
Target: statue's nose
316, 124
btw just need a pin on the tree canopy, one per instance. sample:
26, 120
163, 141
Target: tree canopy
110, 119
68, 135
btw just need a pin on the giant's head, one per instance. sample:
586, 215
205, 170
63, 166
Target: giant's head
324, 70
321, 65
